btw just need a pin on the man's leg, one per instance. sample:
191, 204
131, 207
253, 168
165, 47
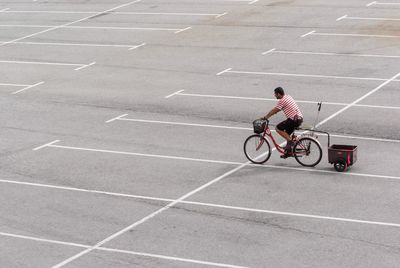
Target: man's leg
282, 129
283, 134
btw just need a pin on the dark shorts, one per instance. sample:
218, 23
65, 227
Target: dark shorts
289, 125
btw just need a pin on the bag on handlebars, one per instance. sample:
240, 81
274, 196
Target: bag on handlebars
259, 126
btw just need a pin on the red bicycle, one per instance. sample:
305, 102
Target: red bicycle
306, 150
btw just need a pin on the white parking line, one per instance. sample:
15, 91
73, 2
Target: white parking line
182, 30
304, 35
224, 71
135, 47
97, 27
274, 212
116, 118
51, 145
192, 261
351, 35
179, 93
74, 189
14, 85
177, 123
157, 256
81, 44
229, 70
382, 3
366, 18
148, 217
28, 87
269, 51
85, 66
339, 19
42, 63
212, 205
8, 10
45, 145
37, 239
220, 15
274, 50
122, 118
154, 214
358, 100
67, 24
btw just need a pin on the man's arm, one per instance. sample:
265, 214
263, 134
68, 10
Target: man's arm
271, 113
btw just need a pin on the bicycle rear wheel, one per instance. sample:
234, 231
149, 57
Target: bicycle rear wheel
257, 149
308, 152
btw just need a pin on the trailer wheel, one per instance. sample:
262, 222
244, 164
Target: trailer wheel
340, 165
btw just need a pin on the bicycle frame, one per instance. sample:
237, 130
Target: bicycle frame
267, 132
280, 149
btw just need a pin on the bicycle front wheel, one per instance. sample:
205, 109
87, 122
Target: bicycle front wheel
308, 152
257, 149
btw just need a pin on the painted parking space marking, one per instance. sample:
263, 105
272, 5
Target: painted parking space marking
383, 3
346, 17
27, 87
268, 51
175, 30
224, 71
129, 47
276, 51
137, 120
350, 35
341, 18
124, 119
37, 239
216, 15
182, 30
13, 85
51, 145
43, 63
93, 150
180, 93
85, 66
149, 217
137, 46
306, 34
136, 253
52, 28
173, 94
193, 192
194, 203
229, 70
192, 261
359, 99
116, 118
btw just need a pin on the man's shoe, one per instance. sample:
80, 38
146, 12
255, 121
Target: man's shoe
289, 146
288, 150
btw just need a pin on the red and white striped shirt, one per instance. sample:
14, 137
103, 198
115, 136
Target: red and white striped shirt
289, 107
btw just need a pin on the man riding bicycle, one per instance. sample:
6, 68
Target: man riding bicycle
294, 117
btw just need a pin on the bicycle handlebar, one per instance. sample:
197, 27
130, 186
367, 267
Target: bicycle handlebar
267, 121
